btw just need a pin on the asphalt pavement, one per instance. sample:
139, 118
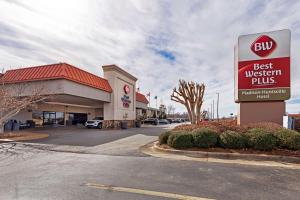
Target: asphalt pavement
117, 172
92, 137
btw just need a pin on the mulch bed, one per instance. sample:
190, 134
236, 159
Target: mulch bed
278, 152
11, 135
23, 135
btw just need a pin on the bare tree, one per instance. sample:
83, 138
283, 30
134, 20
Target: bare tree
16, 97
190, 94
170, 109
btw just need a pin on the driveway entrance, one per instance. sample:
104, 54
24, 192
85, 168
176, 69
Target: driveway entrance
92, 137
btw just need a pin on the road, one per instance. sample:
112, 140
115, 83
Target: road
120, 171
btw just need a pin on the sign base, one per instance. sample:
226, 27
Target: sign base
252, 112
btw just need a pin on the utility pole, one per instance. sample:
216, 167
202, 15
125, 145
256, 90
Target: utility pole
218, 94
213, 109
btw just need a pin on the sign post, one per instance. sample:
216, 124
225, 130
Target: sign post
262, 76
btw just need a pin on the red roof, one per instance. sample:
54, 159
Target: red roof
141, 98
56, 71
294, 115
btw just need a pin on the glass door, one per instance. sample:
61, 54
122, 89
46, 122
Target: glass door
49, 118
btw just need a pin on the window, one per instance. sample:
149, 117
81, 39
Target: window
48, 118
60, 118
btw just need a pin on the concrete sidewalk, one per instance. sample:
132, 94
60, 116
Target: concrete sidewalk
125, 146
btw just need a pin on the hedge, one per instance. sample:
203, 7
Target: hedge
288, 139
180, 140
257, 138
205, 138
261, 139
163, 138
232, 140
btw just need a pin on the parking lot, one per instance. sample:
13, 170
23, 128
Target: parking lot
92, 137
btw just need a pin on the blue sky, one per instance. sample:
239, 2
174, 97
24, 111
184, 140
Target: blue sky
159, 41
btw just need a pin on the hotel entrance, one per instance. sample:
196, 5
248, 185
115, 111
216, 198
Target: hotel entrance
53, 118
48, 118
77, 118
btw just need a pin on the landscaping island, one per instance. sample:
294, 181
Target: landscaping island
227, 137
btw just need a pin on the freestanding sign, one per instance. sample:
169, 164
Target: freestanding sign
262, 67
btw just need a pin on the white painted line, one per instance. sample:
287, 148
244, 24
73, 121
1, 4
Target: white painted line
145, 192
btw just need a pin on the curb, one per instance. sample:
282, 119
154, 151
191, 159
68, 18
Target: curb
28, 136
229, 156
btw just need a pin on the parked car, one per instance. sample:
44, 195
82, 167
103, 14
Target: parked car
152, 121
163, 121
97, 122
177, 120
170, 120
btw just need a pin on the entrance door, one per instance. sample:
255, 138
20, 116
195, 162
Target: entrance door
77, 118
49, 118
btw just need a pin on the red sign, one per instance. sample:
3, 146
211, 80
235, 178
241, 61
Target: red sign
126, 89
263, 46
266, 73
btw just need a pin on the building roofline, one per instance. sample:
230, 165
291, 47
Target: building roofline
61, 75
141, 98
114, 67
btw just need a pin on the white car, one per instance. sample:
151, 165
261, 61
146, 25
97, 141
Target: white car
94, 123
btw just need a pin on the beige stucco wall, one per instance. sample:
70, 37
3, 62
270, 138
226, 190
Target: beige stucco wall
99, 112
141, 105
61, 86
251, 112
117, 78
85, 91
23, 116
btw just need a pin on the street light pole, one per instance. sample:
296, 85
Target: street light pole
218, 105
213, 109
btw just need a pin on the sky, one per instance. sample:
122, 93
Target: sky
158, 41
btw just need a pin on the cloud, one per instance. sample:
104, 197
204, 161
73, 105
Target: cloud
160, 42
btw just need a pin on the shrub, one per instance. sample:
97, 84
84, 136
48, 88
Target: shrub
217, 126
191, 127
261, 139
180, 140
269, 126
163, 138
233, 140
205, 137
288, 139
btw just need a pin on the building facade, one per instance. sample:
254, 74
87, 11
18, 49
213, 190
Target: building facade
76, 96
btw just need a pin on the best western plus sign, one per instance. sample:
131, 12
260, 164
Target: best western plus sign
262, 67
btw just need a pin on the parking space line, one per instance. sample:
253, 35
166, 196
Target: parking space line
144, 192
